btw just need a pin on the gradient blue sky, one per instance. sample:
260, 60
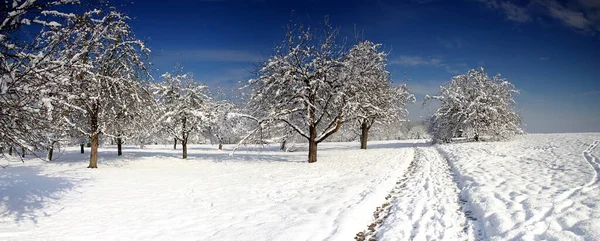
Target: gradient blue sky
549, 49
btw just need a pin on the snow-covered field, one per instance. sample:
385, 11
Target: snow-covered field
151, 194
536, 187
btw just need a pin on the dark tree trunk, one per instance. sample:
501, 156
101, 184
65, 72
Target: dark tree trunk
119, 146
10, 150
184, 144
51, 151
82, 150
364, 136
282, 146
220, 144
175, 144
22, 151
312, 145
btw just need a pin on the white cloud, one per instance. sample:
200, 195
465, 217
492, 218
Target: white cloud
597, 92
569, 17
582, 15
213, 55
590, 3
585, 16
512, 11
515, 13
415, 61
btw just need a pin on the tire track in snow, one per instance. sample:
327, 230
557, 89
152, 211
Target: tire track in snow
594, 182
566, 200
472, 226
424, 205
383, 211
594, 163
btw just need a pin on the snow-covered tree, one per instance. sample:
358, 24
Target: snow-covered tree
27, 75
302, 86
108, 66
185, 107
417, 130
134, 122
372, 97
475, 105
221, 126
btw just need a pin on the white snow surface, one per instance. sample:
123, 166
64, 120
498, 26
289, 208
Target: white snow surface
537, 187
152, 194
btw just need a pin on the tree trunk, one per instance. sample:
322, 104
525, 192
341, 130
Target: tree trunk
175, 144
82, 150
184, 144
10, 151
94, 152
22, 151
312, 145
119, 146
185, 135
51, 151
364, 136
95, 136
220, 144
282, 146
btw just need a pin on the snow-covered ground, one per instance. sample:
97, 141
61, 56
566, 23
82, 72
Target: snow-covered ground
536, 187
151, 194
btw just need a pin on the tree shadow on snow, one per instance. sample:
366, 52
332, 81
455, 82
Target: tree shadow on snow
251, 153
225, 156
370, 145
24, 192
397, 145
108, 156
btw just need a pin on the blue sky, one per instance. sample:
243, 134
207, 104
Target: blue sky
549, 49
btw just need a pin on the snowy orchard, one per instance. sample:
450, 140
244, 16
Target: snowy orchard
312, 86
85, 80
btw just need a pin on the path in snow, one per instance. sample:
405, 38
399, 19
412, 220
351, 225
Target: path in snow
424, 205
538, 187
